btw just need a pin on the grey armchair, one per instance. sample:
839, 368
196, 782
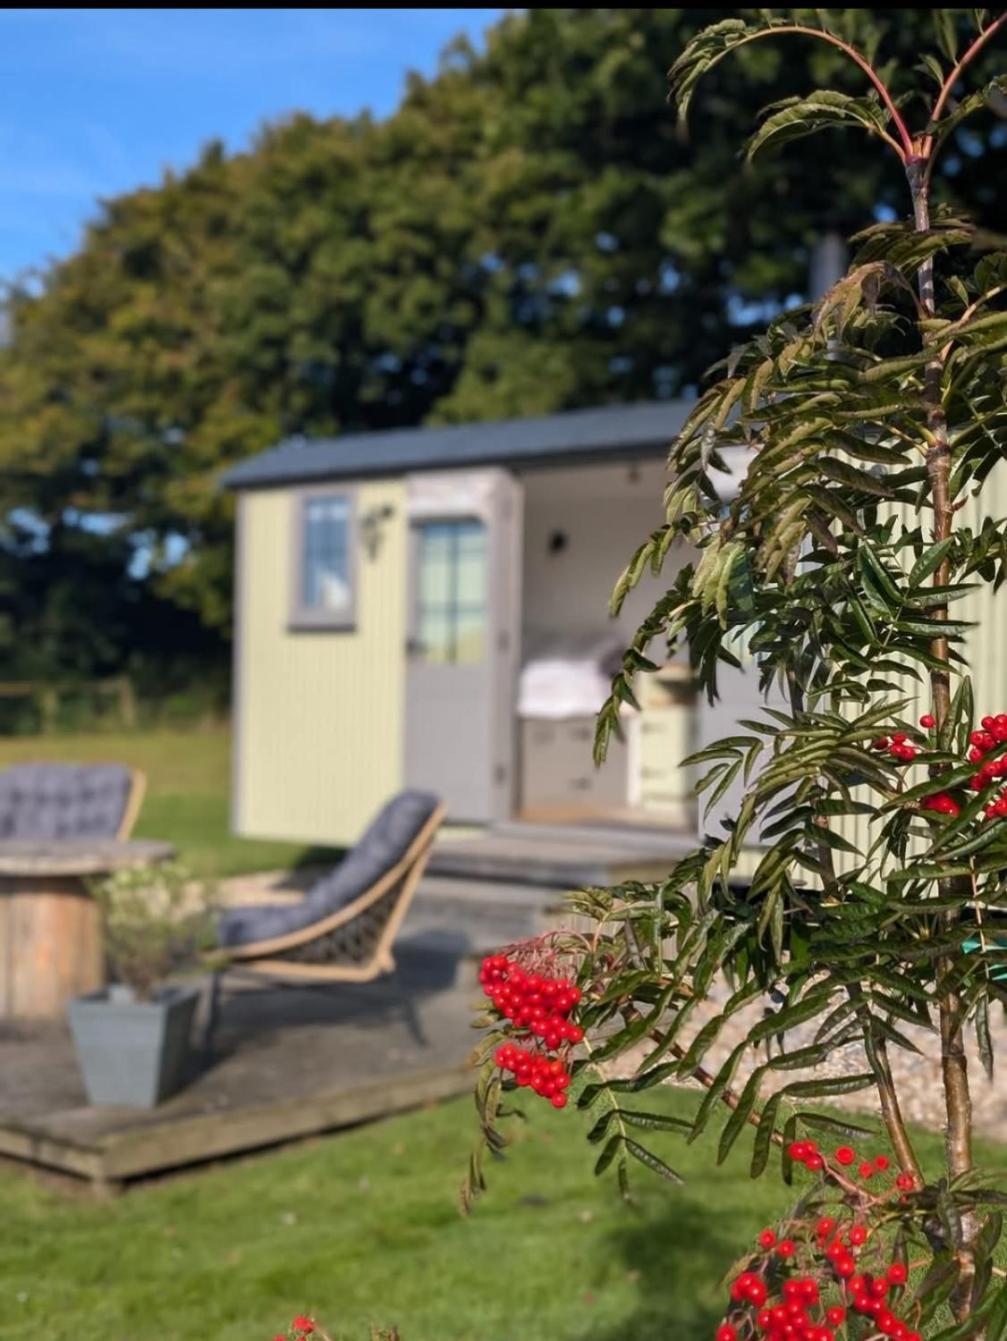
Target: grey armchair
51, 801
342, 931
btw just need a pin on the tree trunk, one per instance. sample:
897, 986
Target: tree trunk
954, 1065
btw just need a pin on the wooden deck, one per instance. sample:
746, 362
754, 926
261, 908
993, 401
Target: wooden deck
291, 1062
561, 856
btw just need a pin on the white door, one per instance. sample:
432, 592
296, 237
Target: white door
465, 563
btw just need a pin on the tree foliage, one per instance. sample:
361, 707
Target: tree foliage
530, 231
869, 419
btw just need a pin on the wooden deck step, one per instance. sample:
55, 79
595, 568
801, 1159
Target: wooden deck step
558, 857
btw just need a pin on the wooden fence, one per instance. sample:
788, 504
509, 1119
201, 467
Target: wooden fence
47, 696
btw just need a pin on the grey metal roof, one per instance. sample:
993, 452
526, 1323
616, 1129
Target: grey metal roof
644, 429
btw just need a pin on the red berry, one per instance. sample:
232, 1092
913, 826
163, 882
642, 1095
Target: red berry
880, 743
798, 1150
814, 1163
835, 1316
825, 1226
866, 1171
845, 1267
844, 1155
881, 1163
905, 1182
785, 1248
858, 1235
897, 1274
727, 1333
559, 1100
302, 1324
767, 1239
928, 720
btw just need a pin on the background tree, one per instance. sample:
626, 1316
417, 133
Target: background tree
528, 232
878, 895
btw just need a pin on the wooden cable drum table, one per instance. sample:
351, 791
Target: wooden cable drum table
51, 944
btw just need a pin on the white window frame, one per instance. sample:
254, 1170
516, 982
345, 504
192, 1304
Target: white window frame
306, 618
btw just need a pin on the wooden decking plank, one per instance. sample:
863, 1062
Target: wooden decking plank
134, 1151
20, 1142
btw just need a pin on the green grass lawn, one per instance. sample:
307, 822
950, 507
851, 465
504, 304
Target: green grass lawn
363, 1228
188, 790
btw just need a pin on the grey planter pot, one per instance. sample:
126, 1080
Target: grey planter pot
133, 1053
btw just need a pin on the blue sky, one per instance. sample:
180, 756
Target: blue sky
96, 101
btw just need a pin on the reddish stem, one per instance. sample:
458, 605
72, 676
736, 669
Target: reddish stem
955, 74
908, 149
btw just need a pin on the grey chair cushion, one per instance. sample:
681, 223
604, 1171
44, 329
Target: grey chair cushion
384, 843
63, 800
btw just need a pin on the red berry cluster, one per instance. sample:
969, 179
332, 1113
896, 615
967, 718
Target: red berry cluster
981, 744
993, 733
898, 747
867, 1296
800, 1314
300, 1328
537, 1005
822, 1258
532, 1001
547, 1076
808, 1154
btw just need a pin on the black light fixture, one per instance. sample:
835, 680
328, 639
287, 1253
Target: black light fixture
372, 527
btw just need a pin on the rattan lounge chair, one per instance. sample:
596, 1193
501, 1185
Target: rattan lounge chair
46, 801
344, 929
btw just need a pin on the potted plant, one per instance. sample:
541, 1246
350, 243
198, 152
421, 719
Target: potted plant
132, 1038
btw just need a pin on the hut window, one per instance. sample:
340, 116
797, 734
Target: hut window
325, 569
451, 604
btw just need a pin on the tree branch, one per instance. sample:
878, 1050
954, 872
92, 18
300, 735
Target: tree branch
906, 149
952, 79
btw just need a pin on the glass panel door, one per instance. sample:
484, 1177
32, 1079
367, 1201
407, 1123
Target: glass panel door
451, 590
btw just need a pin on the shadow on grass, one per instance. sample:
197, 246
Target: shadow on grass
675, 1258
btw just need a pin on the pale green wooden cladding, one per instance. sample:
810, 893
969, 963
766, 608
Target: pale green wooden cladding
318, 713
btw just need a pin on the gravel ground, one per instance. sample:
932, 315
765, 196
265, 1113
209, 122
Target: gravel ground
917, 1075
